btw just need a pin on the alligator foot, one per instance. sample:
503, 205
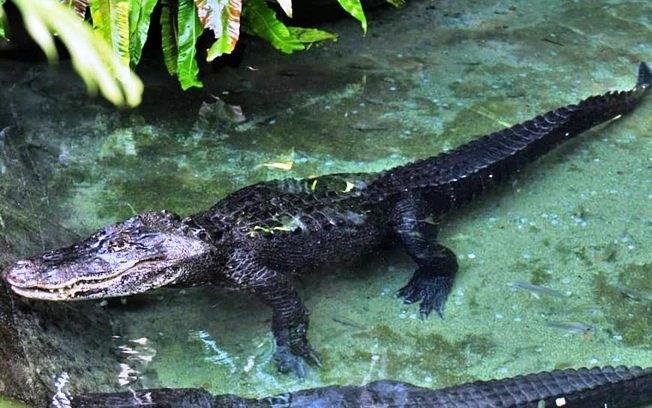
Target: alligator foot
429, 289
295, 360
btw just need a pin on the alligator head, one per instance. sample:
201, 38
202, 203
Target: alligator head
147, 251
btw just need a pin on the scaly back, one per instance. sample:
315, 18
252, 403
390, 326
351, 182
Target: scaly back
473, 167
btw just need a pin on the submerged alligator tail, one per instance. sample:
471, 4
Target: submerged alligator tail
470, 169
619, 387
582, 388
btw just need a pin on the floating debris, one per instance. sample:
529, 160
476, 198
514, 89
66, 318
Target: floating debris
279, 165
219, 111
537, 290
572, 327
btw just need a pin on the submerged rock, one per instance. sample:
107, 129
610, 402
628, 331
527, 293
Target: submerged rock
45, 346
606, 386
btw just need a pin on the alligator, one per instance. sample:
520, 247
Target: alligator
255, 238
613, 387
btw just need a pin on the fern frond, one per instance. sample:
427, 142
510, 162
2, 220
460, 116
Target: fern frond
111, 21
311, 35
79, 6
139, 19
286, 6
2, 20
261, 19
223, 18
169, 35
189, 30
91, 55
354, 7
120, 25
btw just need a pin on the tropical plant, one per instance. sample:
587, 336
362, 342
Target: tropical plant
106, 53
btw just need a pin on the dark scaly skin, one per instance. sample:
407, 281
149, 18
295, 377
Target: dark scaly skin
252, 239
619, 387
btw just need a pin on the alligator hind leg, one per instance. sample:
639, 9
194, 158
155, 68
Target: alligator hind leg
433, 280
289, 315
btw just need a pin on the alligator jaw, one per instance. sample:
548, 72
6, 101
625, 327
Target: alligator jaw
79, 289
42, 294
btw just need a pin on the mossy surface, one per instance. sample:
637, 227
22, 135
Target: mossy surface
427, 78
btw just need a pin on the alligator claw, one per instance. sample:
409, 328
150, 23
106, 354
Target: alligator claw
430, 291
295, 361
287, 362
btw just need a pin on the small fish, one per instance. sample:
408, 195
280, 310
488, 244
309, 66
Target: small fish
633, 293
536, 290
573, 327
348, 322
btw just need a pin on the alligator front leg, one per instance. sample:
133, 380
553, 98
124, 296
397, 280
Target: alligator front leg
289, 315
433, 280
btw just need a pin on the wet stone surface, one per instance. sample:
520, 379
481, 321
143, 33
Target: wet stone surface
425, 79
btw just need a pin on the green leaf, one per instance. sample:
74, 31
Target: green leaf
2, 20
189, 29
111, 21
354, 7
92, 57
263, 22
311, 35
139, 18
223, 18
169, 36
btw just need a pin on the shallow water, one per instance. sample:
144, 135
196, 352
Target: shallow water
425, 79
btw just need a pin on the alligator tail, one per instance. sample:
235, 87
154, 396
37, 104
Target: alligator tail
457, 176
613, 387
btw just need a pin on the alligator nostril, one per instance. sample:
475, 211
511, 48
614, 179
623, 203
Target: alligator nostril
14, 276
18, 273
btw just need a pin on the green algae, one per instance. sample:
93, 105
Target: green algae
629, 303
6, 403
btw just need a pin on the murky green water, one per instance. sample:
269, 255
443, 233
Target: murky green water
425, 79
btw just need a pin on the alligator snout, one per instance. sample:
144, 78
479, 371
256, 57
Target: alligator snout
19, 273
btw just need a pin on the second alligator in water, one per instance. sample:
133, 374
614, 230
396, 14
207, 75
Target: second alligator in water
254, 238
619, 387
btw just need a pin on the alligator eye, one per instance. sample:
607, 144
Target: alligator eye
200, 233
119, 244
